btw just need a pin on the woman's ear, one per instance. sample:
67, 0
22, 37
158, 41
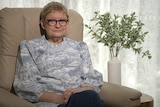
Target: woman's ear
42, 28
68, 23
42, 24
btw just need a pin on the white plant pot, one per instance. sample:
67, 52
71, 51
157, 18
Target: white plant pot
114, 71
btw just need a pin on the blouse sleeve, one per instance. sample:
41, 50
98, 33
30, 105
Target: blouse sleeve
91, 77
25, 82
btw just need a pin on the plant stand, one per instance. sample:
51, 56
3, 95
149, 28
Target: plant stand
147, 101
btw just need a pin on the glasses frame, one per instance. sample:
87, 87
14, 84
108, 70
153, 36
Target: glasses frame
53, 22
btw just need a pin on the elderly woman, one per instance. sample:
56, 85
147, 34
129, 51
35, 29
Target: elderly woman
56, 71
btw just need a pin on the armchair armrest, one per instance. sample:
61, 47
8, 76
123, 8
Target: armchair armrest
120, 96
8, 99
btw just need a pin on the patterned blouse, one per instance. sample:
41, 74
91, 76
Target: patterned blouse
42, 66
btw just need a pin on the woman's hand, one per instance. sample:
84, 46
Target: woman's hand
66, 94
62, 98
51, 98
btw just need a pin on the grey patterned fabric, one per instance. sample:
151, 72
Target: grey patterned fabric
42, 66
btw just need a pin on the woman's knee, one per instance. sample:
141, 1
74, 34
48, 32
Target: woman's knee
88, 94
89, 98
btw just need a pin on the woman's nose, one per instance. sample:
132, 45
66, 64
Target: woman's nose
57, 24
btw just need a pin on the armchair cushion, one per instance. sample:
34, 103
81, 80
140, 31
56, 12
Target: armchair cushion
31, 28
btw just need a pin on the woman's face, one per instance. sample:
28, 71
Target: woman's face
55, 25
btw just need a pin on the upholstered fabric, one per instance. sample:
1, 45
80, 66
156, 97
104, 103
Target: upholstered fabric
17, 24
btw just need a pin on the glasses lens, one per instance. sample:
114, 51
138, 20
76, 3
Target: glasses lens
63, 22
53, 22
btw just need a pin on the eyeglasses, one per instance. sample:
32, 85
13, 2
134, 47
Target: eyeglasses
53, 22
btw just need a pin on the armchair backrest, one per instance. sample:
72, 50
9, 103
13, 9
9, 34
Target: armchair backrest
17, 24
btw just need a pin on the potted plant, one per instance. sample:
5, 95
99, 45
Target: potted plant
119, 32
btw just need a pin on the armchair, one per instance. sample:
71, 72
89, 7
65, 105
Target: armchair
17, 24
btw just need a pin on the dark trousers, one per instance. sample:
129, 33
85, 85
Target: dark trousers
87, 98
